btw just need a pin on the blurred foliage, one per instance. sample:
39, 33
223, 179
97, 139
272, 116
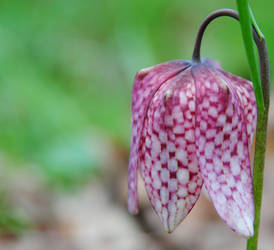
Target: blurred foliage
67, 66
11, 222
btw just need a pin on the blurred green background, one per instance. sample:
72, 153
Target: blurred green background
67, 67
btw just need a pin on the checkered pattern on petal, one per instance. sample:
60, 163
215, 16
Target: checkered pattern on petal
222, 149
246, 95
167, 161
146, 84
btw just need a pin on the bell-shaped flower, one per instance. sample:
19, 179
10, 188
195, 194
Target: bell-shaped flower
192, 124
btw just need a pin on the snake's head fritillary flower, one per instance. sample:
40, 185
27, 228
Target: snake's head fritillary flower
192, 124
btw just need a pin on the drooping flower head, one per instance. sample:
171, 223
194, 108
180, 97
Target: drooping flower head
192, 124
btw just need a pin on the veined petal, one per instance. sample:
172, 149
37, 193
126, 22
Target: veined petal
246, 95
222, 149
146, 83
167, 161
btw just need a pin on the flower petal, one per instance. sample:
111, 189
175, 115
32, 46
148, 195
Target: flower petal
246, 94
167, 161
222, 149
146, 83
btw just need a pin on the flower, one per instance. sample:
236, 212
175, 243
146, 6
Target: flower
193, 124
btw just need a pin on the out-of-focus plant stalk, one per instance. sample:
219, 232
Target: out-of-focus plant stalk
262, 97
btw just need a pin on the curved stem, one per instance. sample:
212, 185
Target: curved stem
261, 89
208, 19
218, 13
256, 37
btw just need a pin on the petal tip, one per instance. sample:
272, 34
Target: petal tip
169, 222
245, 227
133, 201
133, 211
169, 227
132, 206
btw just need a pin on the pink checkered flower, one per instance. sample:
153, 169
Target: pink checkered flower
192, 124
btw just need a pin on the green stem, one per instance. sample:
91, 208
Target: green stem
246, 27
262, 97
258, 175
